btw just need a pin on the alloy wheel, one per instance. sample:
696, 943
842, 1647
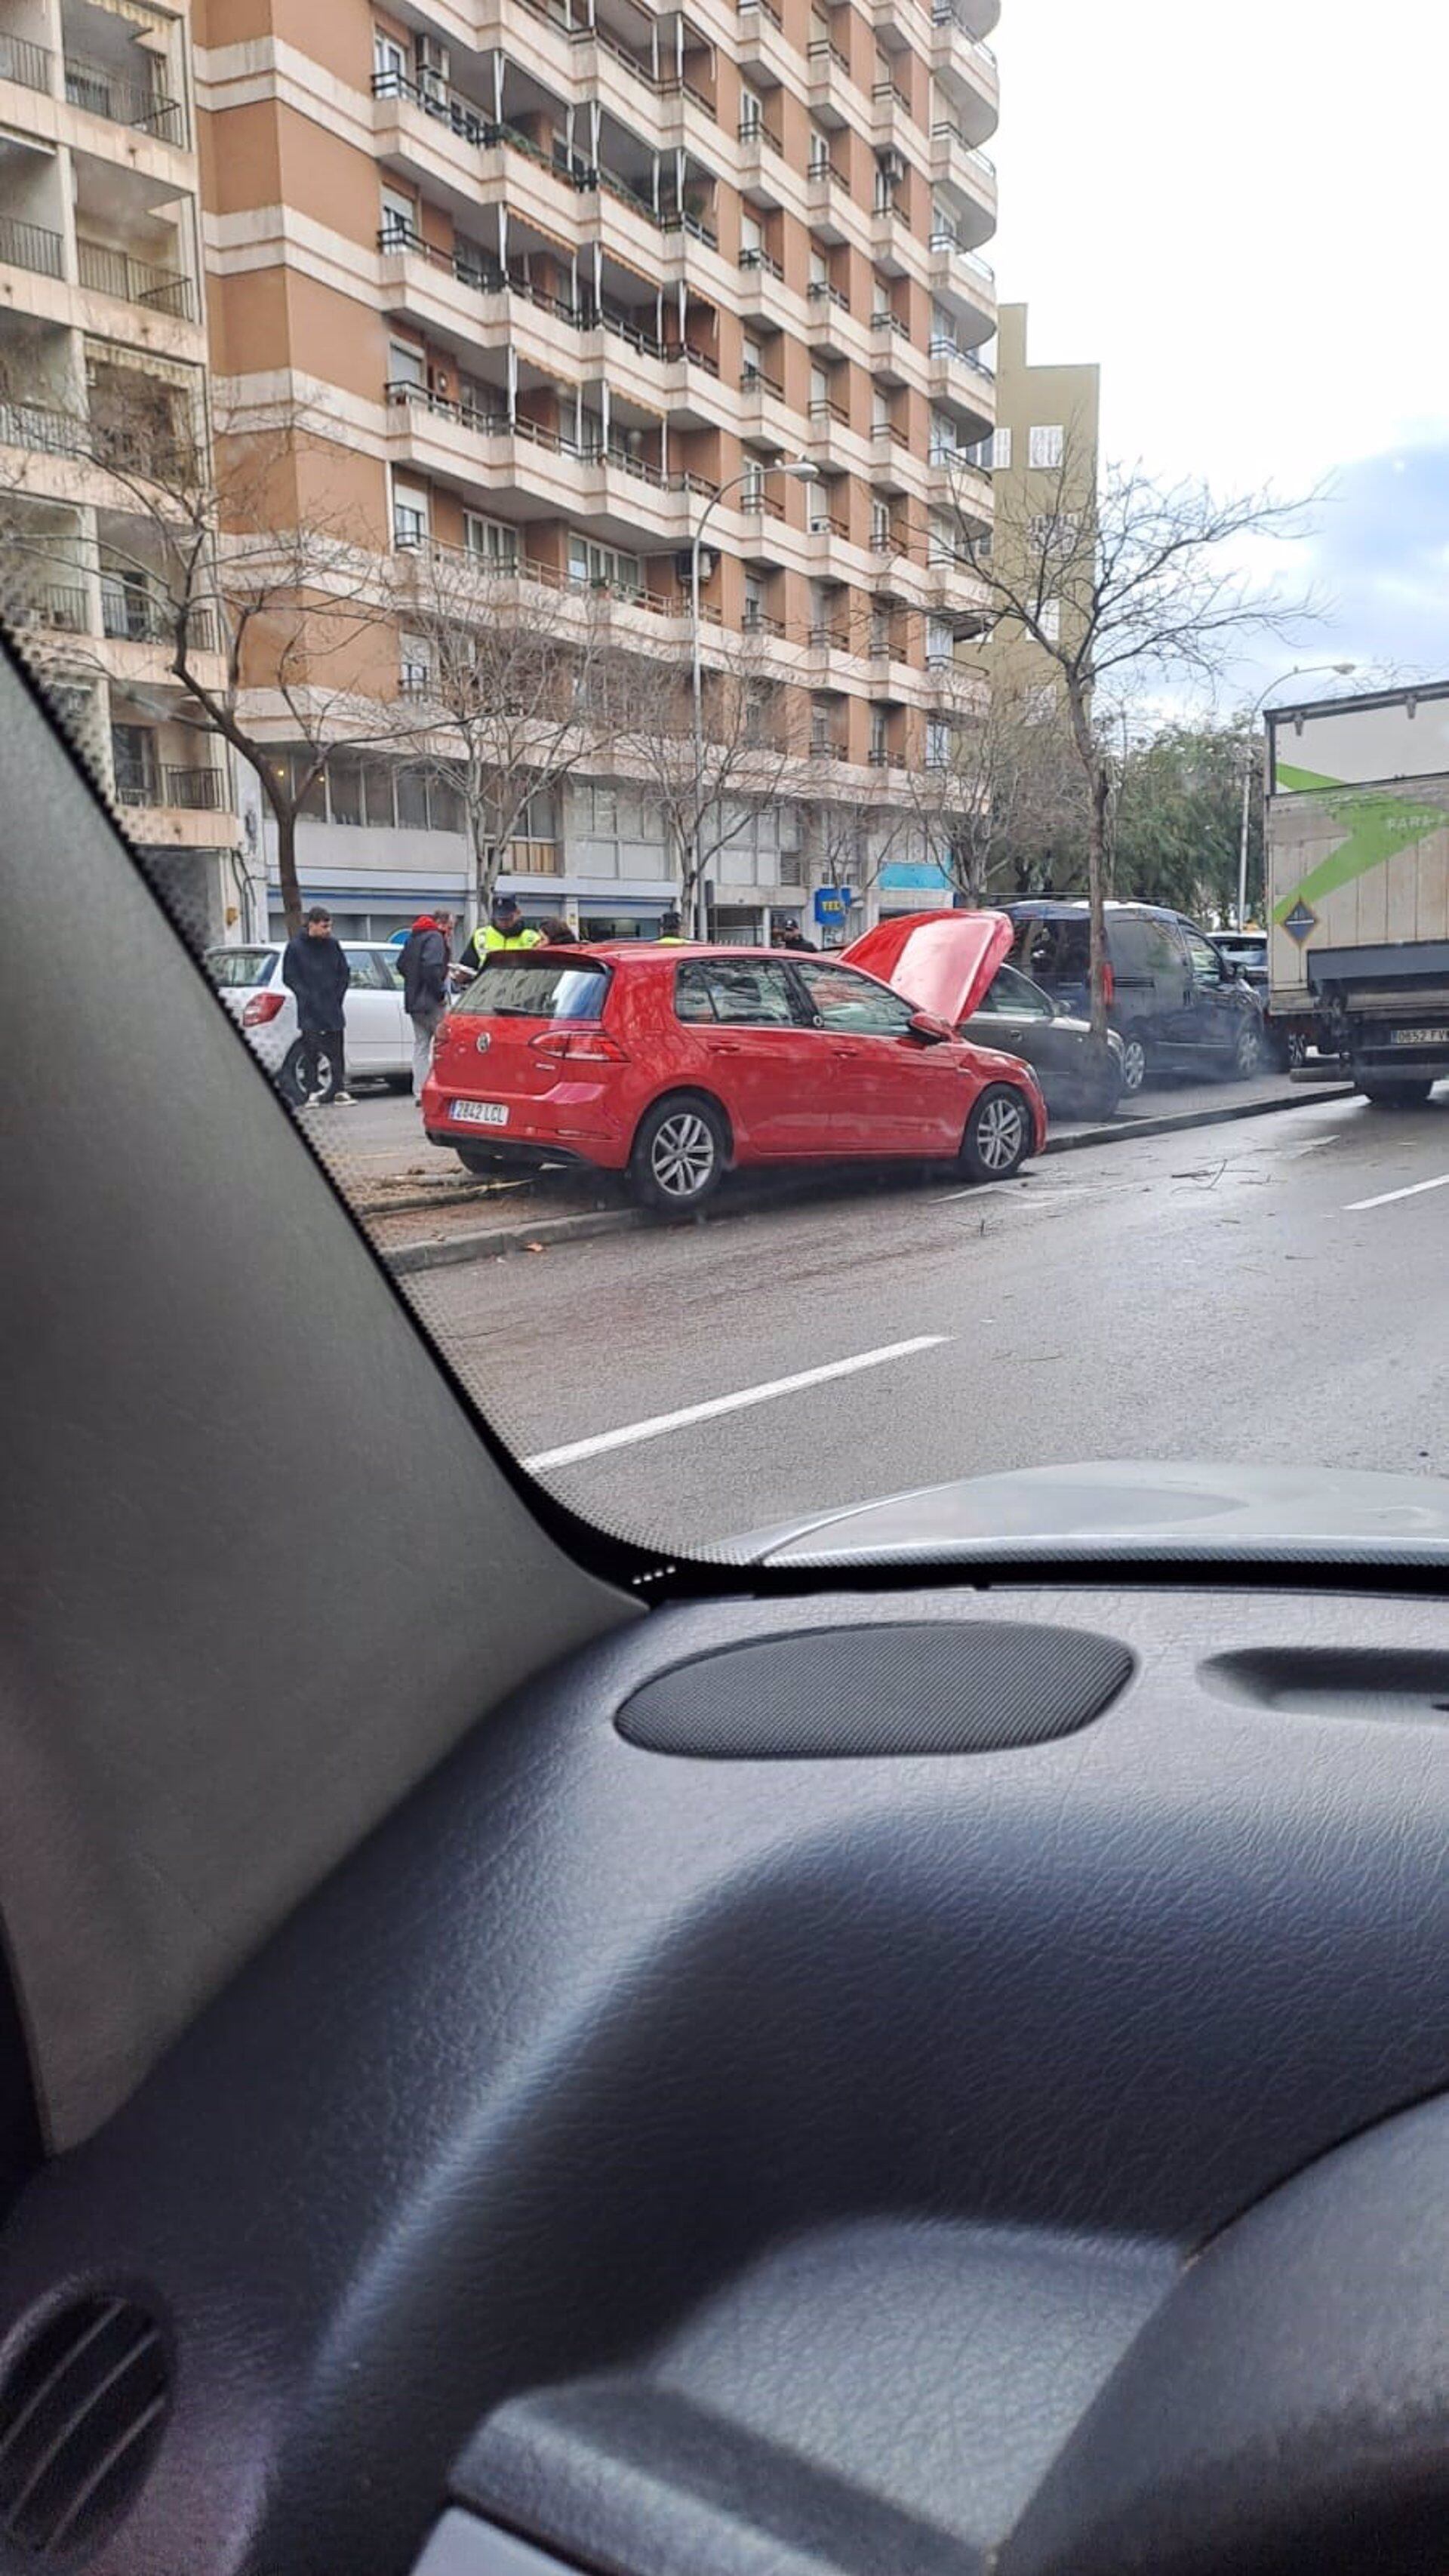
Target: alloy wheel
1134, 1064
1000, 1130
681, 1157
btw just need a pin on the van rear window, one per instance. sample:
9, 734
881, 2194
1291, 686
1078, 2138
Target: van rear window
537, 988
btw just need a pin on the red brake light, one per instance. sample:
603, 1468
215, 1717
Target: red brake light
1109, 982
261, 1008
580, 1045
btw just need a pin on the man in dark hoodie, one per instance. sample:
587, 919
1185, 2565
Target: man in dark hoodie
425, 986
317, 974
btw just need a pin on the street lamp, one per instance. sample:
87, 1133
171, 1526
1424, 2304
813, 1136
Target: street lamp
799, 470
1300, 671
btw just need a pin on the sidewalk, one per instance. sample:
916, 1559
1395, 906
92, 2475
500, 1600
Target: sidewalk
422, 1211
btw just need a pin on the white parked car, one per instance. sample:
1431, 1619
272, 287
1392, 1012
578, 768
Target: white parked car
379, 1042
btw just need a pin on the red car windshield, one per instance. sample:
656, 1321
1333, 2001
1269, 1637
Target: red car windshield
538, 987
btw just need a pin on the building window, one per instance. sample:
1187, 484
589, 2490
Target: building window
879, 719
880, 525
399, 216
389, 65
999, 458
405, 364
1051, 621
940, 642
752, 113
819, 161
603, 567
493, 541
133, 759
938, 742
752, 487
1044, 445
414, 670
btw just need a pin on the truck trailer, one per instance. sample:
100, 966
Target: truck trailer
1356, 855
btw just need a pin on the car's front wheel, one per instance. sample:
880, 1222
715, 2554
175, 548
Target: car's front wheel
1247, 1057
998, 1134
1134, 1063
679, 1155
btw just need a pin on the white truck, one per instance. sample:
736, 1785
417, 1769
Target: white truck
1356, 842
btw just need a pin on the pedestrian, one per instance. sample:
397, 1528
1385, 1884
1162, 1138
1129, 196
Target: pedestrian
425, 973
788, 934
558, 933
670, 933
316, 973
505, 928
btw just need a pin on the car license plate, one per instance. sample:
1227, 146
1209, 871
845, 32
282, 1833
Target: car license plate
481, 1113
1419, 1037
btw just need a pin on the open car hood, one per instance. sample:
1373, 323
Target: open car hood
1148, 1509
936, 961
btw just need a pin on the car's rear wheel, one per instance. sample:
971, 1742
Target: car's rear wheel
998, 1134
1135, 1063
290, 1078
1386, 1093
1247, 1057
679, 1155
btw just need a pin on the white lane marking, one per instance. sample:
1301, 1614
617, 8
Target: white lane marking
1386, 1196
657, 1423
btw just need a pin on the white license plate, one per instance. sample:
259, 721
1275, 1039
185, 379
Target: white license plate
1419, 1037
481, 1113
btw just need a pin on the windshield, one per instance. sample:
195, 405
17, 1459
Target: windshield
842, 849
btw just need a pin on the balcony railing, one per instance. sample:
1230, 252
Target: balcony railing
824, 412
753, 129
821, 51
25, 63
489, 424
134, 281
887, 92
761, 260
31, 246
829, 639
826, 749
102, 92
190, 791
945, 14
821, 168
61, 606
133, 616
754, 379
471, 269
47, 433
820, 291
756, 502
756, 622
885, 320
825, 523
764, 8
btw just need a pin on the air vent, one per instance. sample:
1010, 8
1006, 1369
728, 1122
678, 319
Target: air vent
80, 2415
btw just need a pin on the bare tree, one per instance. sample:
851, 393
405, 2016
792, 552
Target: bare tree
705, 792
272, 604
1000, 783
503, 675
1137, 584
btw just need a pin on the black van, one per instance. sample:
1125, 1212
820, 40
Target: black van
1176, 1004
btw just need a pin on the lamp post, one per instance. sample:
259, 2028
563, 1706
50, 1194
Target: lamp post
799, 470
1300, 671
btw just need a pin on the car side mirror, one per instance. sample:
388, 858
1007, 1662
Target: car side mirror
931, 1031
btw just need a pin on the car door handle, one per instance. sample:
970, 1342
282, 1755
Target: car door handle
724, 1046
847, 1051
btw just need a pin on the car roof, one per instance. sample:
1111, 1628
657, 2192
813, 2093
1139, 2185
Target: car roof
1075, 908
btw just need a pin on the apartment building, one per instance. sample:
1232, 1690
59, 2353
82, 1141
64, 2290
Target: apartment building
102, 314
558, 275
1043, 455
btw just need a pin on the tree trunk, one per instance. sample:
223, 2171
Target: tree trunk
286, 815
1095, 773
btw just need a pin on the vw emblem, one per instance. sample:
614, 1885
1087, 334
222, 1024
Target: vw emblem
482, 1042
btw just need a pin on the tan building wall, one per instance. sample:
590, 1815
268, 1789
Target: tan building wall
1037, 407
572, 280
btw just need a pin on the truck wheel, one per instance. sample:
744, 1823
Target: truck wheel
1384, 1092
1135, 1062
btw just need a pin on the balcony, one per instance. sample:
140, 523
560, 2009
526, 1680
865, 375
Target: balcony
957, 277
184, 791
828, 309
42, 431
55, 607
831, 440
761, 276
104, 271
31, 246
133, 615
99, 91
755, 621
832, 94
827, 195
760, 45
890, 115
959, 378
971, 175
889, 341
962, 26
762, 162
28, 65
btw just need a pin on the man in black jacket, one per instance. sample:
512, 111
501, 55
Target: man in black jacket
425, 986
317, 973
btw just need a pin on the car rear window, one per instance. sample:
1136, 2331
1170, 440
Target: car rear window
1051, 952
538, 988
231, 967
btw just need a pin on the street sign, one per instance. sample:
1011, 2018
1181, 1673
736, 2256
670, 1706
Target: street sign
832, 903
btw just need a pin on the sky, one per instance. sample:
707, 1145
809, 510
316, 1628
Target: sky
1240, 212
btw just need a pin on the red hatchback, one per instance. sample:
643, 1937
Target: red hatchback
675, 1064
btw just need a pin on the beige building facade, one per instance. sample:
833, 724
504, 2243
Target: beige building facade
1043, 456
554, 279
102, 309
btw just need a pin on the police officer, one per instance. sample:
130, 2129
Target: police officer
670, 933
505, 929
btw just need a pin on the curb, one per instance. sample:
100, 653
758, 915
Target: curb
410, 1258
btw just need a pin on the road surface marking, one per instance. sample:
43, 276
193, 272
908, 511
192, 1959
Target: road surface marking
657, 1423
1385, 1196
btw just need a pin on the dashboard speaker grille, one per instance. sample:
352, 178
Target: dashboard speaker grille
938, 1686
80, 2416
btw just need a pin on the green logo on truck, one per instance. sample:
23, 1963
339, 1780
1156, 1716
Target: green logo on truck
1376, 828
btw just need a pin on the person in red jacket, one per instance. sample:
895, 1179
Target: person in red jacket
425, 969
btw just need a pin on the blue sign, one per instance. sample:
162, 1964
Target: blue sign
832, 903
1300, 921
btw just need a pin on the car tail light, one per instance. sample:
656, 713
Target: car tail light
261, 1008
581, 1046
1109, 982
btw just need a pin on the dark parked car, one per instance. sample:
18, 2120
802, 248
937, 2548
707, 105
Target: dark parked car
919, 955
1246, 951
1175, 1003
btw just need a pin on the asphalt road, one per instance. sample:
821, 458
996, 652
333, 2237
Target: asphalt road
1216, 1295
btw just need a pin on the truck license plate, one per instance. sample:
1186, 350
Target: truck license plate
481, 1113
1419, 1037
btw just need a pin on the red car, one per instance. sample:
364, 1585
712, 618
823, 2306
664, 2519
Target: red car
676, 1063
